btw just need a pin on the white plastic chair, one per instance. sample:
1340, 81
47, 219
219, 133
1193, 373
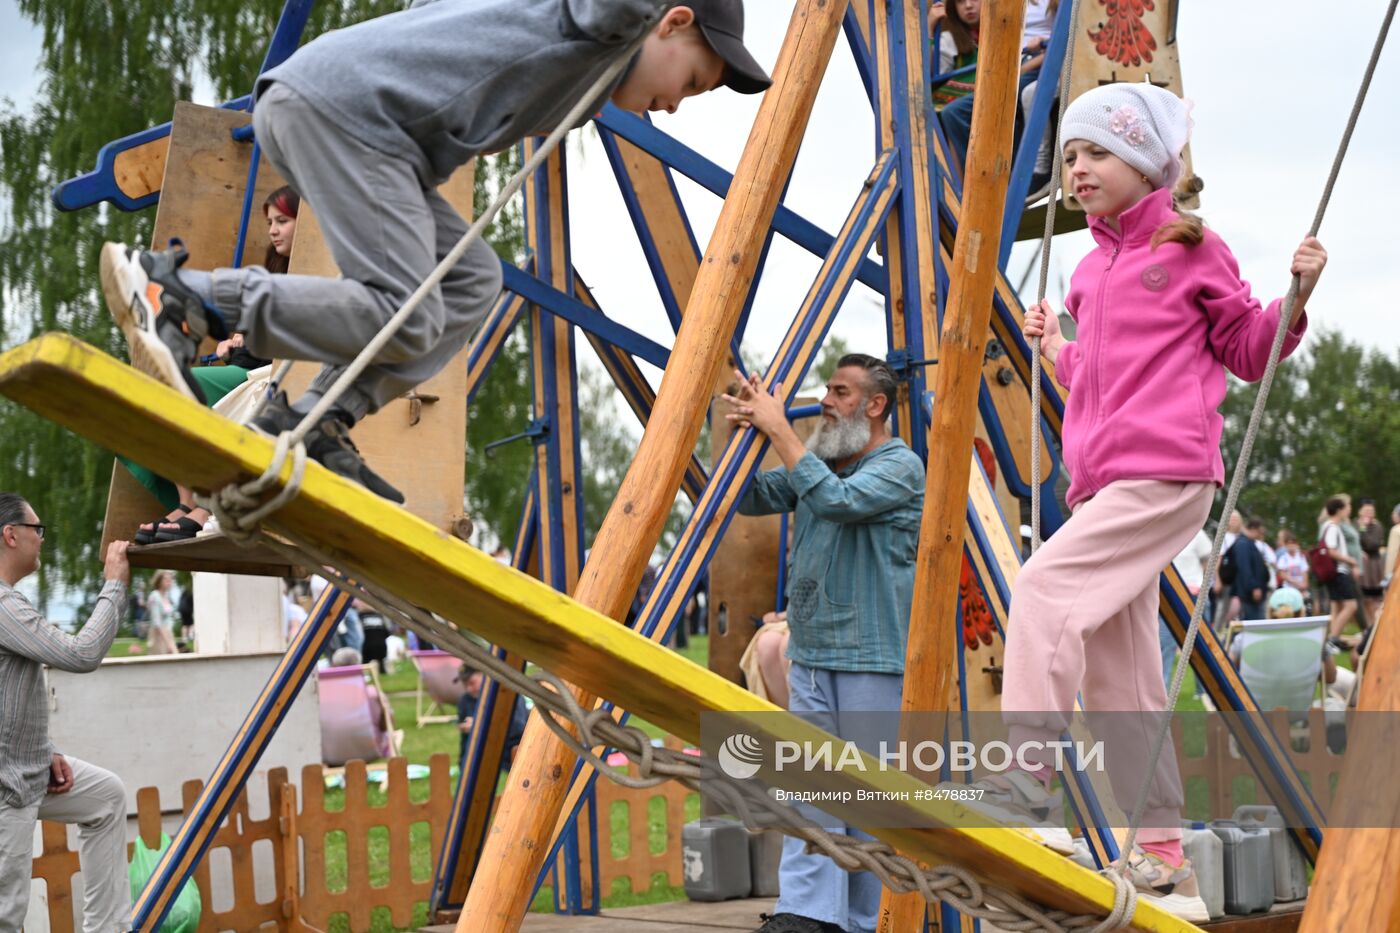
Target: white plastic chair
1280, 660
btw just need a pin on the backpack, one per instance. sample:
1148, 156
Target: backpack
1323, 564
1227, 571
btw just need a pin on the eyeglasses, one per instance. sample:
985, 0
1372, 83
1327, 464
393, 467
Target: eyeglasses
35, 525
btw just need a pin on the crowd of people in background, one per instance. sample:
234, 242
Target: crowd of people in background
1345, 574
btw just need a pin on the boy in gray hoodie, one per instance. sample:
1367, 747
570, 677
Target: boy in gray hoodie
365, 123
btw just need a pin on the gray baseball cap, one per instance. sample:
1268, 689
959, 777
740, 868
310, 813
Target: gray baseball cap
722, 24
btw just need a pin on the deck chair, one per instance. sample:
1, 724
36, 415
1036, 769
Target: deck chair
1280, 660
356, 720
438, 688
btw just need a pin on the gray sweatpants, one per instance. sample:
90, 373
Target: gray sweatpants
386, 233
97, 803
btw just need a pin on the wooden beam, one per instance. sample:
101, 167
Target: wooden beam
930, 658
540, 778
1354, 886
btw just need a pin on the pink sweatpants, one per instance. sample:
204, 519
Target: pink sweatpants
1084, 619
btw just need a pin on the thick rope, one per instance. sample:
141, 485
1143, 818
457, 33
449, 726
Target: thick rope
588, 731
1256, 417
1054, 196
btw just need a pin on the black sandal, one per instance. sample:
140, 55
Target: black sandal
146, 534
185, 529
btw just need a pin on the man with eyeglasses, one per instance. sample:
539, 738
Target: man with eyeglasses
36, 782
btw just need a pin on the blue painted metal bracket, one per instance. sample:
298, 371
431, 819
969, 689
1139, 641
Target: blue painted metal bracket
710, 176
576, 312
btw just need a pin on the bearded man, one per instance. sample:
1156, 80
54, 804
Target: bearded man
858, 496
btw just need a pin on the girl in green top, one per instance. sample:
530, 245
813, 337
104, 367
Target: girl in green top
956, 26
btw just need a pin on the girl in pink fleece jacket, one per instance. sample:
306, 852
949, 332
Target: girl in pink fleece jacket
1161, 314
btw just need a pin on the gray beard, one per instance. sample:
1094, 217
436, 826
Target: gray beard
845, 437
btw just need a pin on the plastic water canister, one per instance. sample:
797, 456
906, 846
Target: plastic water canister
765, 857
1203, 848
1248, 860
1290, 866
715, 859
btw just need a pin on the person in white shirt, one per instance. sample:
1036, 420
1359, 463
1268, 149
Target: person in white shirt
1191, 565
1291, 563
1270, 561
1341, 589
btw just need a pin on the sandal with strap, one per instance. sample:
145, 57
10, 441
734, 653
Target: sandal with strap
185, 529
146, 533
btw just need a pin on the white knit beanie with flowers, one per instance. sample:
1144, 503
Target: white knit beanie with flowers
1144, 125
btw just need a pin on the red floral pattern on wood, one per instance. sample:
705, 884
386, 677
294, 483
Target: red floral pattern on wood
1122, 37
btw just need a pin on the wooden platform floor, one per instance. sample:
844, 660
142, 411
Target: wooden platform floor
679, 916
675, 917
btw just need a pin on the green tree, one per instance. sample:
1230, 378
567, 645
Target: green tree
1332, 425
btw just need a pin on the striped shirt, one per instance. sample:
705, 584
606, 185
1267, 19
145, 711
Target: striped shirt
27, 642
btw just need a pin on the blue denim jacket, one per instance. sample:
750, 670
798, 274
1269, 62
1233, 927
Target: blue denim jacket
851, 578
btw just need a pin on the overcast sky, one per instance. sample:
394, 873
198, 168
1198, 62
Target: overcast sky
1271, 97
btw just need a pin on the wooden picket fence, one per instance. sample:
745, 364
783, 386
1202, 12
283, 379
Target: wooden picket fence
1230, 778
299, 823
304, 899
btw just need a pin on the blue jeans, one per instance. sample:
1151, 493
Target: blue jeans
1169, 650
350, 633
957, 124
957, 119
812, 885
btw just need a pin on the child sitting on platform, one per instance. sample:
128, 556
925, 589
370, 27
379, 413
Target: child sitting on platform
1161, 314
365, 122
225, 371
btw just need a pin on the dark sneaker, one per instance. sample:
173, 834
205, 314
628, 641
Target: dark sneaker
1172, 888
329, 444
793, 923
276, 417
162, 318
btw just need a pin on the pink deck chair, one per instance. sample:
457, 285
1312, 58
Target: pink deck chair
438, 689
356, 722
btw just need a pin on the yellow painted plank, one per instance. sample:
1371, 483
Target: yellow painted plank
92, 394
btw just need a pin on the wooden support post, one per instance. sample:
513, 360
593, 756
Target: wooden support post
534, 794
1354, 886
929, 660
